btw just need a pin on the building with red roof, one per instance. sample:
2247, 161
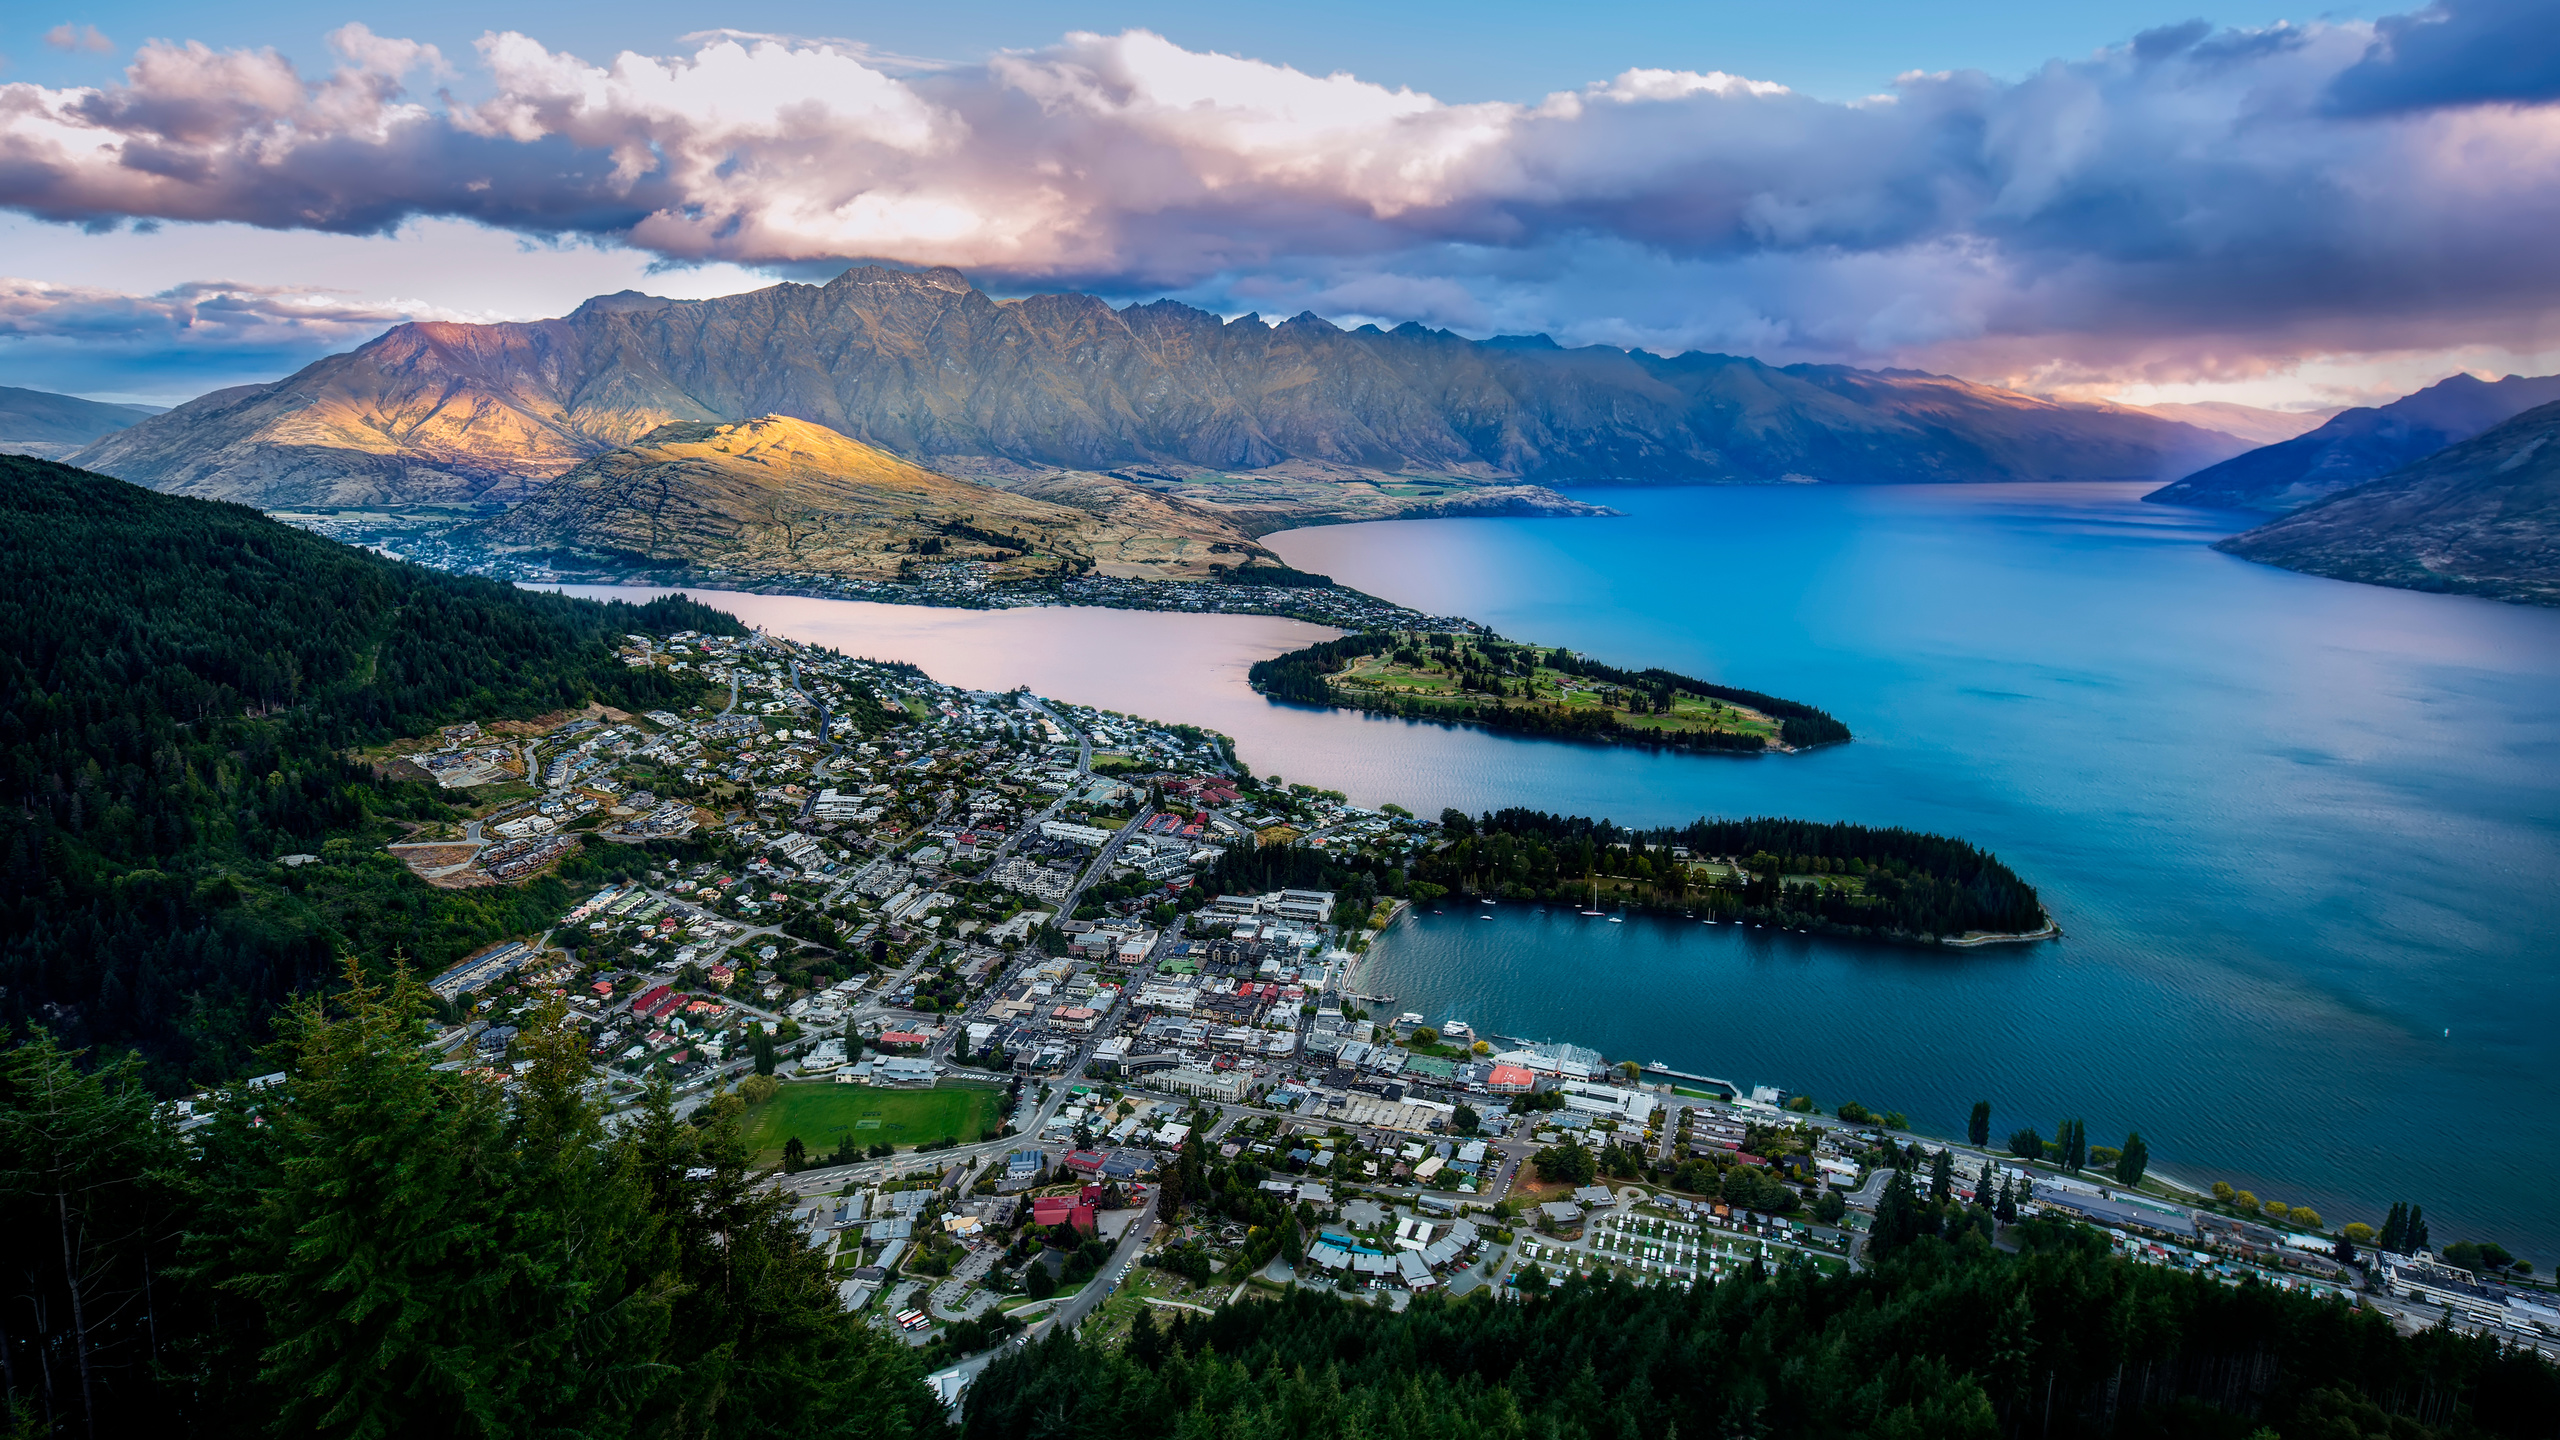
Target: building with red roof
1050, 1211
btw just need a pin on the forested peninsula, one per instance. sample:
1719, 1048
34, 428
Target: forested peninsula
1483, 679
184, 686
1902, 886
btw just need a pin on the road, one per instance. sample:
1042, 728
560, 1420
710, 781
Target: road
1068, 1314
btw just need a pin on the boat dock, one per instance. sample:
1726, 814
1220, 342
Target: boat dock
1665, 1075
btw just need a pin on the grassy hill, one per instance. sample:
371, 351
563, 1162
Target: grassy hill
774, 494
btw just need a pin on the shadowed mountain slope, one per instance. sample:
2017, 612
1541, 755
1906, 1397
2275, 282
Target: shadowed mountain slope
41, 423
2357, 445
2478, 518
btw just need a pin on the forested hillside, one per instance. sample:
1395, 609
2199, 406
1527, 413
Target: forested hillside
379, 1249
1943, 1341
179, 687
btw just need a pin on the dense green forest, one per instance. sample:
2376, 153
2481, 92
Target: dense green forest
1848, 879
1942, 1341
375, 1248
182, 686
1842, 879
1300, 676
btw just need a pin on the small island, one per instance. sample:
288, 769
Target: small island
1479, 678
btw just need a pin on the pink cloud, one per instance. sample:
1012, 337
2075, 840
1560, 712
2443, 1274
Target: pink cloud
2188, 193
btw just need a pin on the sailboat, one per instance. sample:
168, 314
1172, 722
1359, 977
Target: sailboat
1595, 899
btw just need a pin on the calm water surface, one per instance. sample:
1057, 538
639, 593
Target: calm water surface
2295, 830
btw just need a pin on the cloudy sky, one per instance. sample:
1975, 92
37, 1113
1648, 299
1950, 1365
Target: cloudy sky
2104, 198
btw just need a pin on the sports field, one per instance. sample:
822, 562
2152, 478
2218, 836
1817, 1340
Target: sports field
821, 1111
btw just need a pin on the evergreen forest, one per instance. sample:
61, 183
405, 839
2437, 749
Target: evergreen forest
373, 1247
1886, 883
1940, 1340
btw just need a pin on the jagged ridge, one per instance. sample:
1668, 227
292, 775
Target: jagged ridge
926, 366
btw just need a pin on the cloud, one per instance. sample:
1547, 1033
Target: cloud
2456, 52
78, 37
85, 338
33, 310
2197, 199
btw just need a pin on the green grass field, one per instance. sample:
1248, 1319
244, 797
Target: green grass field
820, 1112
1431, 684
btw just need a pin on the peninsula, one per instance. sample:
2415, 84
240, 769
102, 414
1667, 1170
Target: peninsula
1479, 678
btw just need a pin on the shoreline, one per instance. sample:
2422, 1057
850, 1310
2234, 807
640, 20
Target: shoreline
1975, 939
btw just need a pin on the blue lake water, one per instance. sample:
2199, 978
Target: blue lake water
2295, 830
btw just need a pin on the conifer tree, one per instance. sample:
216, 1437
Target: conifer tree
84, 1162
379, 1263
2135, 1159
2395, 1230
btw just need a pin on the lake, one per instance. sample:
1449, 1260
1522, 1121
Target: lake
2302, 836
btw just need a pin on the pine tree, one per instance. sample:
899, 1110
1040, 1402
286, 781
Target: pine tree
2395, 1230
1942, 1178
1897, 1217
1977, 1130
380, 1265
83, 1167
2133, 1162
2416, 1238
2007, 1210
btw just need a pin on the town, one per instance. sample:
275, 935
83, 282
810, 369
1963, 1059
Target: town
991, 988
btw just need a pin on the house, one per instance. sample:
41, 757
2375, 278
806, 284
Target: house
1083, 1162
1050, 1211
899, 1039
1511, 1080
1561, 1213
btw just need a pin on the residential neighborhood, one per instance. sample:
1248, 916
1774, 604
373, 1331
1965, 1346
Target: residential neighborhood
961, 964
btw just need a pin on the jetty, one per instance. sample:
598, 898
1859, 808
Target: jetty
1664, 1074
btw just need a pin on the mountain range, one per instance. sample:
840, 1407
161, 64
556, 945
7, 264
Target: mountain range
2358, 445
2481, 517
925, 366
50, 426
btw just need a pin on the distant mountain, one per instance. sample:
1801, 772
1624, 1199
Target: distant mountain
775, 494
2358, 445
927, 367
2243, 422
50, 426
2478, 518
